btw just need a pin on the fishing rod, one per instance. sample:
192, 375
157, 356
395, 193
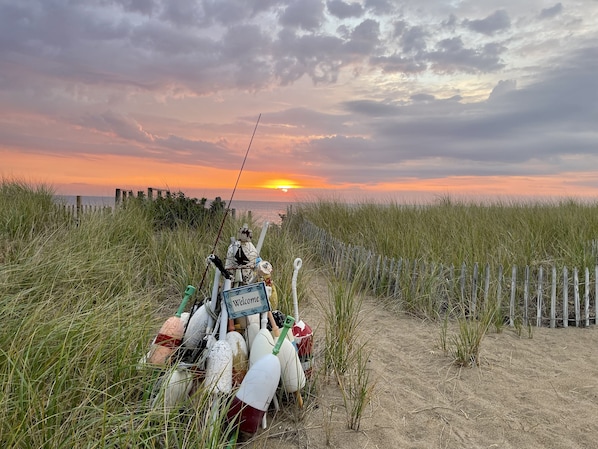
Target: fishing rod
213, 258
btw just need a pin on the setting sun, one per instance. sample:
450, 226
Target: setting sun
284, 185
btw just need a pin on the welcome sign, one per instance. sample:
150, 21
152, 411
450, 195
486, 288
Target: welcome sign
246, 300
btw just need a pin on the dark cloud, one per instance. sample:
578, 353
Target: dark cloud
304, 14
548, 13
398, 64
343, 10
413, 40
452, 56
380, 6
495, 22
364, 38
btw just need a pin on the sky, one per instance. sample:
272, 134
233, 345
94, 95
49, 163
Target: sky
291, 100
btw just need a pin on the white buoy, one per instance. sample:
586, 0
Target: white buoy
263, 343
257, 390
253, 327
292, 375
240, 355
177, 383
196, 328
301, 331
219, 368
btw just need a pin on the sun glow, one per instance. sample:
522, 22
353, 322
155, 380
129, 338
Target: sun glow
284, 185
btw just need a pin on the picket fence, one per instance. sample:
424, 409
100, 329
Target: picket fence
542, 295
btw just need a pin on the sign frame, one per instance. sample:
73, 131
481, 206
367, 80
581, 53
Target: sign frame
246, 300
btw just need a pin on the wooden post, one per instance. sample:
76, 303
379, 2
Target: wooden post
150, 193
78, 214
553, 299
586, 297
117, 198
576, 296
474, 290
539, 299
499, 289
513, 290
487, 283
565, 297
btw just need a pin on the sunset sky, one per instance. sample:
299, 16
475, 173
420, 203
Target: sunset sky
371, 99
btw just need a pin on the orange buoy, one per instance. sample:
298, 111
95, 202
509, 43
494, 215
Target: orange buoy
170, 336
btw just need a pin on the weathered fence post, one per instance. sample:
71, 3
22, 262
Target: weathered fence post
78, 208
553, 299
474, 290
539, 298
526, 296
576, 296
565, 297
586, 297
513, 290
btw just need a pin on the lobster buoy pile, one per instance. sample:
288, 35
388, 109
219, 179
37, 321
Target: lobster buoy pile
247, 357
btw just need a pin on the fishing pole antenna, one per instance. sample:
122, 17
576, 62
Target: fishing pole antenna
226, 211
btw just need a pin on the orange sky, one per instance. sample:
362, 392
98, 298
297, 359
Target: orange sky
101, 175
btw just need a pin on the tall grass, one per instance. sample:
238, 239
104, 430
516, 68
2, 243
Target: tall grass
80, 301
453, 232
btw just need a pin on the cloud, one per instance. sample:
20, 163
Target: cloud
353, 92
305, 14
548, 13
495, 22
452, 56
343, 10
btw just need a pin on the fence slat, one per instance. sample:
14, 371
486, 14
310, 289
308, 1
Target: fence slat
553, 299
576, 296
539, 298
513, 291
418, 276
586, 297
565, 297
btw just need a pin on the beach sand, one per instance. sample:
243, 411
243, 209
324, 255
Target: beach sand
532, 389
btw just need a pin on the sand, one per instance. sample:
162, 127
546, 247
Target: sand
529, 391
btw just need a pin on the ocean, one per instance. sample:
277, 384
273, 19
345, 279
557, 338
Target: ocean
261, 211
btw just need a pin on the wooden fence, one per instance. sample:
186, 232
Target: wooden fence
78, 209
541, 295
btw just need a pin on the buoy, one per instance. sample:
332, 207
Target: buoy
292, 375
219, 368
170, 336
251, 402
240, 356
177, 384
301, 331
253, 327
263, 343
196, 328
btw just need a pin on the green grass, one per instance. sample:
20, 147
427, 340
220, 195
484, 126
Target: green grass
80, 301
453, 232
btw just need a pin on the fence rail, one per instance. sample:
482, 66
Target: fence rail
540, 295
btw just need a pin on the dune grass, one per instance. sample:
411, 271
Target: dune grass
452, 232
80, 301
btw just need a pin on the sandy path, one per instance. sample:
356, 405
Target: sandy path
526, 393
